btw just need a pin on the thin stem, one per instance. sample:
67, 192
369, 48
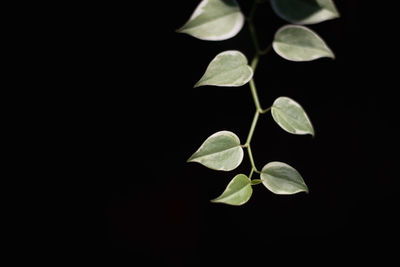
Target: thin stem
265, 110
254, 37
253, 90
266, 50
252, 11
251, 173
252, 128
251, 159
254, 62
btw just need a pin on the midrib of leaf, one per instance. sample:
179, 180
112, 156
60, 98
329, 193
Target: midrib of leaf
226, 72
287, 115
284, 179
204, 156
212, 20
283, 118
233, 193
306, 47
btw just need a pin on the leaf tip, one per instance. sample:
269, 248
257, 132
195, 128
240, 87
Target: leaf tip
190, 159
332, 55
306, 190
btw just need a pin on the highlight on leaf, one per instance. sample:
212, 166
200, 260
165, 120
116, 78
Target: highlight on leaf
214, 20
228, 68
237, 193
280, 178
221, 151
291, 117
299, 43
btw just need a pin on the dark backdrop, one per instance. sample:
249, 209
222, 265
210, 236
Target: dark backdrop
136, 118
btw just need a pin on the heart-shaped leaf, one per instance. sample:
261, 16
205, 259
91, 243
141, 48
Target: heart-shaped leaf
237, 192
228, 68
280, 178
221, 151
291, 117
305, 11
299, 43
214, 20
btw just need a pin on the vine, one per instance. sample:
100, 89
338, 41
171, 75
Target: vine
217, 20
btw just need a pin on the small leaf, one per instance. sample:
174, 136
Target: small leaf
305, 11
282, 179
221, 151
228, 68
237, 192
214, 20
299, 43
291, 117
256, 181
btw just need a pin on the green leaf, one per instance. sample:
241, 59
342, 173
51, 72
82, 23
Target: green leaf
214, 20
280, 178
305, 11
256, 181
291, 117
221, 151
228, 68
237, 192
299, 43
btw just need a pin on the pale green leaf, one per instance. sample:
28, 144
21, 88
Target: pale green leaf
214, 20
305, 11
221, 151
256, 181
237, 192
299, 43
291, 117
228, 68
280, 178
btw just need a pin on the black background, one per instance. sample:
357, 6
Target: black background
134, 118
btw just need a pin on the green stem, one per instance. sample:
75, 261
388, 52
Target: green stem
253, 88
252, 128
254, 36
266, 50
251, 173
252, 11
265, 110
253, 166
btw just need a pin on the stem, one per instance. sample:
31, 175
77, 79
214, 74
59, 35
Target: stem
254, 62
254, 169
251, 173
265, 110
254, 36
253, 88
252, 128
266, 50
